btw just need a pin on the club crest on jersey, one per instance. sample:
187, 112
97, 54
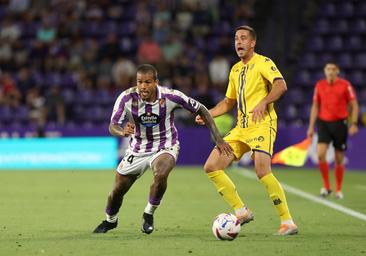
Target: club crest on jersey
193, 103
149, 119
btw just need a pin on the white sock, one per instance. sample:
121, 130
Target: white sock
150, 208
241, 212
111, 218
288, 222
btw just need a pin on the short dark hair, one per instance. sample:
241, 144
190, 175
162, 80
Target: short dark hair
147, 68
251, 30
332, 62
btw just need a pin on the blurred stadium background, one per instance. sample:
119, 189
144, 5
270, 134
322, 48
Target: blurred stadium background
63, 63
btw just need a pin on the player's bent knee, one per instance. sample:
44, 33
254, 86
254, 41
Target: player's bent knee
209, 167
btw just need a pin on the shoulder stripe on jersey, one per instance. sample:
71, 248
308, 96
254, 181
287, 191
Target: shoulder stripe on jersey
179, 100
121, 107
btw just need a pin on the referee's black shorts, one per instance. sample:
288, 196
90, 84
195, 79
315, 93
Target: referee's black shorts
333, 131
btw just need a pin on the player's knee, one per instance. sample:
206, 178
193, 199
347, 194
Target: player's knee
161, 174
209, 167
321, 158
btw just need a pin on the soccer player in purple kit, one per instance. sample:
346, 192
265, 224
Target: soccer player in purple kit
145, 113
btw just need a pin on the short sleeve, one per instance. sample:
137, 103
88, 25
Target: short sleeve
184, 101
269, 70
119, 113
316, 96
231, 91
350, 94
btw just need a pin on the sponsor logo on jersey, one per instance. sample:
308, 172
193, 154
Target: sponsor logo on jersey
149, 119
193, 103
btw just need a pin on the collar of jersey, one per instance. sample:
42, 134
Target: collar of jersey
252, 60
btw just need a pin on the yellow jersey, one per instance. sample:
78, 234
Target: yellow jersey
249, 84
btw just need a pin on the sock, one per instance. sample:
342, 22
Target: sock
277, 195
324, 170
150, 208
152, 205
111, 218
226, 188
339, 171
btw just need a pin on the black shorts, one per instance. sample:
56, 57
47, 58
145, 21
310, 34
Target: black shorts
334, 131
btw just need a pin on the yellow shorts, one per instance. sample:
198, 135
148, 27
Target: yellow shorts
259, 137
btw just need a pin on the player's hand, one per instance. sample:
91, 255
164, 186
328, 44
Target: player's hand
224, 148
352, 130
310, 132
199, 120
128, 129
259, 112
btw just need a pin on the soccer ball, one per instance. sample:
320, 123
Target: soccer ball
226, 226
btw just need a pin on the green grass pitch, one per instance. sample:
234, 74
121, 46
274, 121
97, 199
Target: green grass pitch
54, 213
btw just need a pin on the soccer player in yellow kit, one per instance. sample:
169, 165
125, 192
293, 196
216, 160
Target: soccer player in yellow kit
254, 84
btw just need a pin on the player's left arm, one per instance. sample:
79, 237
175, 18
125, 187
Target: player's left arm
222, 146
278, 88
353, 128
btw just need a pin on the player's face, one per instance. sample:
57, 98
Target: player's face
244, 43
331, 71
147, 84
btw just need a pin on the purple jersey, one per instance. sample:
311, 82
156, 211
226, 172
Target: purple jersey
154, 121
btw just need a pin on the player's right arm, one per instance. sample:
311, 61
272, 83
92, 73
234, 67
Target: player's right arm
118, 131
313, 114
118, 126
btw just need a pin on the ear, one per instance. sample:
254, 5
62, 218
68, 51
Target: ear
253, 43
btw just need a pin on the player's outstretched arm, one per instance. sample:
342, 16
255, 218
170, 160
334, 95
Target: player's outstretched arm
118, 131
222, 146
221, 108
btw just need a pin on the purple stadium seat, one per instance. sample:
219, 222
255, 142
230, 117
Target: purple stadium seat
325, 57
303, 78
354, 42
6, 114
68, 96
85, 97
345, 9
359, 26
290, 112
357, 78
322, 27
335, 43
340, 26
344, 60
361, 9
308, 61
295, 96
316, 44
316, 76
360, 60
329, 10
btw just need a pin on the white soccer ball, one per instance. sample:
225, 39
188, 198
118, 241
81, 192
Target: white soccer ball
226, 226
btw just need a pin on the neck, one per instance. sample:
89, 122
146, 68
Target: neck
331, 80
247, 57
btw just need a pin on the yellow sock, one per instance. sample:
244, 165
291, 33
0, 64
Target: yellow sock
277, 195
226, 188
